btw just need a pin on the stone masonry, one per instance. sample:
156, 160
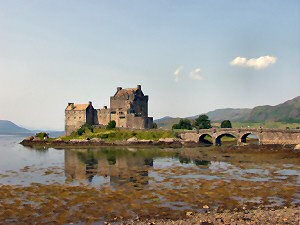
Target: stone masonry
128, 107
265, 136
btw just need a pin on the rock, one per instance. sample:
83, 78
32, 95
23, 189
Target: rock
30, 138
58, 140
189, 213
36, 139
206, 223
297, 147
78, 141
205, 207
96, 140
132, 140
144, 141
169, 140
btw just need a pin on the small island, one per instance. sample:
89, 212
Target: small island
88, 135
127, 123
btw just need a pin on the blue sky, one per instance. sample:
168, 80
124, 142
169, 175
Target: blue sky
190, 56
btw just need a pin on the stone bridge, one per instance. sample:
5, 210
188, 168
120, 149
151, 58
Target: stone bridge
264, 136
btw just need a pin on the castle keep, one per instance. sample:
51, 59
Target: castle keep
128, 107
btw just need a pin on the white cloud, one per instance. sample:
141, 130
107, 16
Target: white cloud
196, 74
256, 63
177, 73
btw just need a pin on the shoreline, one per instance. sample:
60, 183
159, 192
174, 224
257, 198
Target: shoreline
102, 143
168, 143
276, 215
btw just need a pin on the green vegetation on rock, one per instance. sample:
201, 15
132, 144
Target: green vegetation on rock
42, 135
116, 134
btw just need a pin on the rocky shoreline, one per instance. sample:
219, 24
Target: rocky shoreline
168, 142
163, 142
260, 216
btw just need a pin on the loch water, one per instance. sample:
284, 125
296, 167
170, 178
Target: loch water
175, 179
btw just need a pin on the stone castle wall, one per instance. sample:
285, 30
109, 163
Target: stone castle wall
140, 106
138, 122
74, 119
119, 103
104, 116
129, 108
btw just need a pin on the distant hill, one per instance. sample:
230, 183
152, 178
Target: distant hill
288, 111
166, 122
8, 127
229, 113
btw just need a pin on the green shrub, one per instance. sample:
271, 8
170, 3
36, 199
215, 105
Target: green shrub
202, 122
226, 124
42, 135
111, 125
81, 131
183, 124
103, 136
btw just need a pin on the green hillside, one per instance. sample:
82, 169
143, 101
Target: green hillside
284, 115
286, 112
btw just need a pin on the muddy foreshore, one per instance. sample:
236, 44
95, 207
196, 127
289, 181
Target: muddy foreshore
258, 216
37, 202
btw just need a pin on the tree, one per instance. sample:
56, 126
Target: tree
176, 126
226, 124
202, 122
111, 125
154, 125
183, 124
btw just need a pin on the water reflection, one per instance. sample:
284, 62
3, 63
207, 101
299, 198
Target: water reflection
115, 167
161, 180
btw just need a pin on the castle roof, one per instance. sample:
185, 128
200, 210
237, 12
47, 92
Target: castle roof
73, 106
126, 92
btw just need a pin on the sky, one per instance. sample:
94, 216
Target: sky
190, 57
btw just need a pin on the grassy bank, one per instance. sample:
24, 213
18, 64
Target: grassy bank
120, 134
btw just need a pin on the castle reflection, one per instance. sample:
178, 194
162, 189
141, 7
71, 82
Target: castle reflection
118, 166
112, 166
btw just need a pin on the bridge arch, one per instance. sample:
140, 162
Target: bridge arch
243, 138
226, 134
205, 138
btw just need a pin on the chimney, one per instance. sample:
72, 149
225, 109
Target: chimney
139, 86
119, 88
70, 103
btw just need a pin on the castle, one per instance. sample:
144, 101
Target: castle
128, 108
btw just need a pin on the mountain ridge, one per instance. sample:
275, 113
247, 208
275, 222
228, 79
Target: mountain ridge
8, 127
288, 111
